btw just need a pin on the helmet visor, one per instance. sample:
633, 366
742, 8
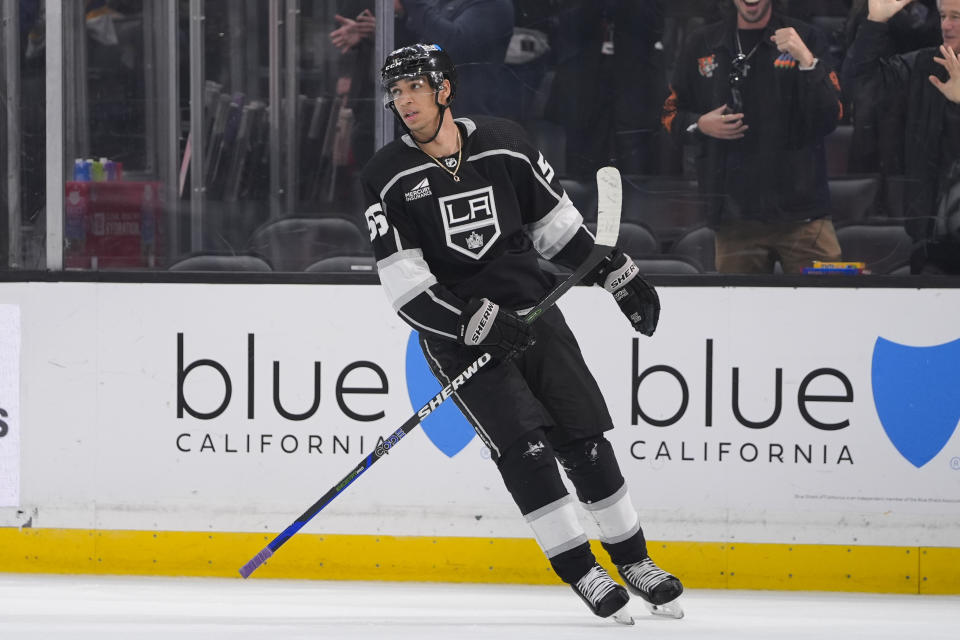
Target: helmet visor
415, 86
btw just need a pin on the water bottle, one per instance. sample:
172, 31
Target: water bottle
81, 170
96, 170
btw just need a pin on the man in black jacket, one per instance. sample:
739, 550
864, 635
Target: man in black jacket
756, 94
474, 32
609, 83
923, 88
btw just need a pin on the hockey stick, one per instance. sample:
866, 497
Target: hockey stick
608, 228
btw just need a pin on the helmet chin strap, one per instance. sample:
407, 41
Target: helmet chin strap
403, 124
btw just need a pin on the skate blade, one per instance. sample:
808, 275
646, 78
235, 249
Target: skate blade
668, 610
622, 616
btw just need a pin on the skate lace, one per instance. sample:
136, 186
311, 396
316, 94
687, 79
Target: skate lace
645, 575
595, 584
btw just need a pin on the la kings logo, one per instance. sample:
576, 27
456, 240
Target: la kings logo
470, 221
420, 190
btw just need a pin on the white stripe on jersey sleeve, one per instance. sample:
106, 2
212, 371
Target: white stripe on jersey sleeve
551, 233
405, 275
424, 327
446, 305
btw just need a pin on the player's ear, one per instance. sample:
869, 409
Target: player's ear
445, 92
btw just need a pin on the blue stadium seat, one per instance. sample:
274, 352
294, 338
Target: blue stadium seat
699, 245
634, 239
885, 248
292, 244
852, 199
583, 194
221, 262
667, 205
667, 264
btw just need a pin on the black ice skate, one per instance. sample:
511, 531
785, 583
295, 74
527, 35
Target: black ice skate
658, 588
605, 597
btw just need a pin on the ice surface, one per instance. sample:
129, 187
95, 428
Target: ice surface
97, 607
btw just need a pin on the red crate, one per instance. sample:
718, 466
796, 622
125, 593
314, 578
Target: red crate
111, 224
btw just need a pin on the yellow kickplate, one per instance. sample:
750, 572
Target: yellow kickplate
710, 565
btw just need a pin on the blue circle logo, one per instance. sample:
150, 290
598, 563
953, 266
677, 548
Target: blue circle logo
446, 427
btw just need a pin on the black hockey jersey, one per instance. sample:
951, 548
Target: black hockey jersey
438, 243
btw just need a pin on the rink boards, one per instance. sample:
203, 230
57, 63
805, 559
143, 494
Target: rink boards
771, 438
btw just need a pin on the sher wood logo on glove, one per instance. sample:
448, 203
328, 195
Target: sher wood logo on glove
483, 324
621, 277
636, 297
502, 333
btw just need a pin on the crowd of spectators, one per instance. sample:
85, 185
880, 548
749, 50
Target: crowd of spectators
646, 84
826, 131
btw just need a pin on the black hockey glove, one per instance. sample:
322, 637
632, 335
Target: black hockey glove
636, 297
500, 332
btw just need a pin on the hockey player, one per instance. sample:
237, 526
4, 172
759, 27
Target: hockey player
459, 213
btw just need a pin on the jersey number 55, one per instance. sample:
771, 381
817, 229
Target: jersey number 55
376, 221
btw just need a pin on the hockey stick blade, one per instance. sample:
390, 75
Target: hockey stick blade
609, 204
608, 228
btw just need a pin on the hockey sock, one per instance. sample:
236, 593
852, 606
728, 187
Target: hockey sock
530, 473
592, 468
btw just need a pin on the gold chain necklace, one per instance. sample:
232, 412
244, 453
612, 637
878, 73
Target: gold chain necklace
453, 173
